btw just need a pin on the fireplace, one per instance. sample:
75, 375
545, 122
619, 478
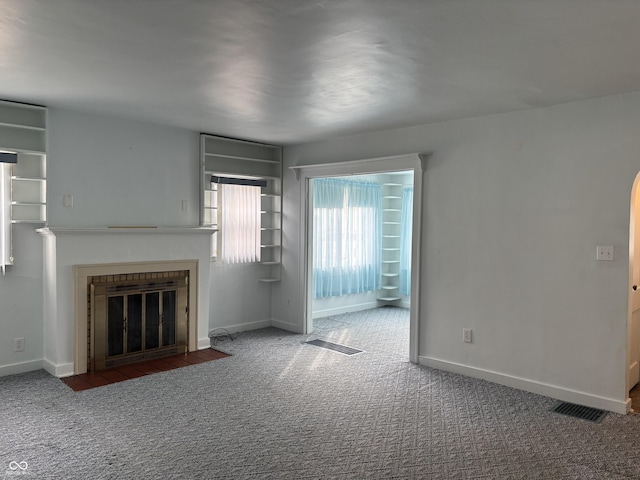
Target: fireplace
130, 312
76, 257
136, 316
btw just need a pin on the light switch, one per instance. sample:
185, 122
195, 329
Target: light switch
604, 252
466, 335
67, 200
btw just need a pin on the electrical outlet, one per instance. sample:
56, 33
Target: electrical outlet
604, 252
18, 344
466, 335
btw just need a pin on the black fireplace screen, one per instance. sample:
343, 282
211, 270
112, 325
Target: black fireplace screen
133, 321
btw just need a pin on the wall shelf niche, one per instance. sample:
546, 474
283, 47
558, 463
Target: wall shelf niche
250, 160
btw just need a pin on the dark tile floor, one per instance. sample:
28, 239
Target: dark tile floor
118, 374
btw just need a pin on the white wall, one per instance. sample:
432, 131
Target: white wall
514, 206
238, 300
120, 172
21, 300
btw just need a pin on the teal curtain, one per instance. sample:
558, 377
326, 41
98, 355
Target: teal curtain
347, 245
406, 221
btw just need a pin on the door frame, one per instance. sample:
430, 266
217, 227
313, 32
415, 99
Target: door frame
632, 367
412, 162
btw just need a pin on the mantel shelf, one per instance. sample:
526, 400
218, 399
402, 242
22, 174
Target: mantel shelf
140, 230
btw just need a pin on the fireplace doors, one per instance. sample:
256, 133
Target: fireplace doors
138, 320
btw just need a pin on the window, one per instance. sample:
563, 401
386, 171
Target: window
348, 240
239, 201
5, 216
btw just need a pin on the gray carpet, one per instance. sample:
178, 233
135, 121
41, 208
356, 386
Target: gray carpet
279, 409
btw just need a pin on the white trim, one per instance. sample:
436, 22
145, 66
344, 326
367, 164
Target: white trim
553, 391
60, 371
58, 231
9, 103
289, 327
242, 327
22, 367
351, 166
415, 162
358, 307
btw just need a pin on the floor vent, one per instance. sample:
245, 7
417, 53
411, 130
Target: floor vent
335, 347
578, 411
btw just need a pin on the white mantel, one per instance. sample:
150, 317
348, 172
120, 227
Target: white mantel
66, 247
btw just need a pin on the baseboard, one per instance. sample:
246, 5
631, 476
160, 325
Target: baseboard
22, 367
204, 343
328, 312
240, 327
553, 391
289, 327
60, 371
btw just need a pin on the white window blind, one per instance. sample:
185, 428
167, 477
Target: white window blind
5, 216
239, 223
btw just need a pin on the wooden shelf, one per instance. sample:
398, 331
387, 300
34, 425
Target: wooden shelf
33, 222
28, 179
23, 127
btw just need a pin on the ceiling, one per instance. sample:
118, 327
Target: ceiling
294, 71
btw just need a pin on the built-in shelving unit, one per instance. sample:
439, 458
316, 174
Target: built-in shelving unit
242, 159
23, 132
29, 189
391, 216
391, 213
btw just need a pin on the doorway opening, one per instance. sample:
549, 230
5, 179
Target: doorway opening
412, 165
361, 249
633, 315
